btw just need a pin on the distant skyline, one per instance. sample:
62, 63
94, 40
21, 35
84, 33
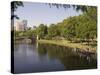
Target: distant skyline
41, 13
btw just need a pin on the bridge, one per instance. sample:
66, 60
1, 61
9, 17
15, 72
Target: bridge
33, 38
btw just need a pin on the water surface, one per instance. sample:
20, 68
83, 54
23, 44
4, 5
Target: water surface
45, 57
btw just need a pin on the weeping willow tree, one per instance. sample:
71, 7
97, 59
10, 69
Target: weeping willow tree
82, 8
14, 6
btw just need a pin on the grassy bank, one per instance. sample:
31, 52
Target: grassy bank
69, 44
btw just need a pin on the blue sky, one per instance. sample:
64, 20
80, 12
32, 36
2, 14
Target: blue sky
37, 13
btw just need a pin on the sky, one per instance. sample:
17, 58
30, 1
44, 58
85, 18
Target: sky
41, 13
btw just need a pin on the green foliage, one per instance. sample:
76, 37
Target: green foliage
70, 28
53, 30
19, 33
16, 33
42, 31
14, 6
81, 28
76, 7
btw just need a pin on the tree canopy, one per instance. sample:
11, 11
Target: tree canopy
81, 28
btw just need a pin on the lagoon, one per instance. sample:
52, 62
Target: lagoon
40, 57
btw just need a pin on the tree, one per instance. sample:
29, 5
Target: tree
66, 6
53, 31
14, 6
69, 29
87, 28
42, 31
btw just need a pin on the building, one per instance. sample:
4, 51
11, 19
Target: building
17, 26
21, 25
24, 24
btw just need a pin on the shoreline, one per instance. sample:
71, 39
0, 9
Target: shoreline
83, 48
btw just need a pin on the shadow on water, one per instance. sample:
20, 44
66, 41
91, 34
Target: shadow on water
72, 60
29, 57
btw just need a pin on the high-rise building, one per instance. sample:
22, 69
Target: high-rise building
21, 26
24, 24
18, 26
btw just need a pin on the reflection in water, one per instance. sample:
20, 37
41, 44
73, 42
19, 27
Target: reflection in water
46, 57
70, 59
